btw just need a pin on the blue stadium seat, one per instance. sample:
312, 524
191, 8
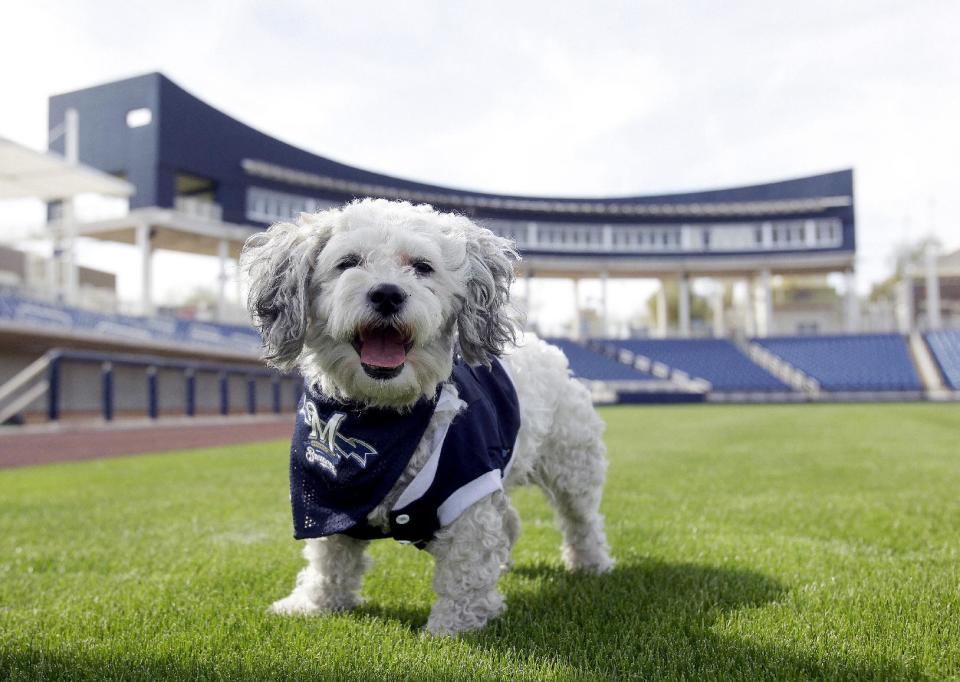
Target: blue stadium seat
945, 346
718, 361
22, 310
588, 364
862, 362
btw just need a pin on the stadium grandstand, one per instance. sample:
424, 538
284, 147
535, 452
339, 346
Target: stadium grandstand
186, 177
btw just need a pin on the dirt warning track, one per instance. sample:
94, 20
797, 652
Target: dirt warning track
29, 446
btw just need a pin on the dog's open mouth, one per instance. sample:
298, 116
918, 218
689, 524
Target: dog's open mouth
382, 350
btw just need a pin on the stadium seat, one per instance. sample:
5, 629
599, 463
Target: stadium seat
862, 362
945, 346
593, 366
26, 311
718, 361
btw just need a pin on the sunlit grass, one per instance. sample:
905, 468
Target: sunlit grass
778, 542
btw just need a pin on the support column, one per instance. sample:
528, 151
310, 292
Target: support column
577, 331
70, 282
146, 268
763, 306
904, 307
749, 309
527, 292
933, 288
716, 302
604, 326
239, 284
683, 305
852, 302
68, 277
661, 312
223, 253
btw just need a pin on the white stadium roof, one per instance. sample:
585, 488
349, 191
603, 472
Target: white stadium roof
25, 173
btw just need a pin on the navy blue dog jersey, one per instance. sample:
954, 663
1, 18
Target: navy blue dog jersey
345, 458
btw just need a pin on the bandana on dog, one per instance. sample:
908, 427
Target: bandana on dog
344, 458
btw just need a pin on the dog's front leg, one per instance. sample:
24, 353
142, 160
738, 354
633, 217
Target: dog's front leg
469, 555
331, 580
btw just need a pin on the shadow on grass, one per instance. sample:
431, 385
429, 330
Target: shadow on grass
649, 620
656, 620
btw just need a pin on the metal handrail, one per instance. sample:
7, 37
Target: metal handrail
780, 368
24, 399
25, 376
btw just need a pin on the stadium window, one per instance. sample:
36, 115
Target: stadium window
138, 118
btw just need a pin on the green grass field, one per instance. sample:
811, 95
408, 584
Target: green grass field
753, 542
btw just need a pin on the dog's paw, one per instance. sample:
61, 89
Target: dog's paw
299, 604
595, 562
295, 605
436, 628
598, 567
432, 630
448, 618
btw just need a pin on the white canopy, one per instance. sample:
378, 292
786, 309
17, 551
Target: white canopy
25, 173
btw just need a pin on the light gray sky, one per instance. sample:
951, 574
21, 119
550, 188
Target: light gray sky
554, 98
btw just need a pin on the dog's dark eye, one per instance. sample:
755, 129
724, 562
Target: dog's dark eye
422, 267
347, 262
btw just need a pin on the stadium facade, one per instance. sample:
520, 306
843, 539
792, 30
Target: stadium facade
204, 181
190, 178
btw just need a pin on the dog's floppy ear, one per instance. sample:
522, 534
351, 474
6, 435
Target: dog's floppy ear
486, 322
279, 264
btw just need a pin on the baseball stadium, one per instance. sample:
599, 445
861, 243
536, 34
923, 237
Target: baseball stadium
781, 498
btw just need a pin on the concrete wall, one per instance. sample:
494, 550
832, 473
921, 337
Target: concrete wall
81, 387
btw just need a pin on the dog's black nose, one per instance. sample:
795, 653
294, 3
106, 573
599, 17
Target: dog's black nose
387, 299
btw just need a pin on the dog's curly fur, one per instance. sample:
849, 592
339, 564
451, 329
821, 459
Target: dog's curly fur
309, 284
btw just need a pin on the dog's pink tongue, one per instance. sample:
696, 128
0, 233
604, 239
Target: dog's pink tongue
382, 348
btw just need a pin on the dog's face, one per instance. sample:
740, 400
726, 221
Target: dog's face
372, 300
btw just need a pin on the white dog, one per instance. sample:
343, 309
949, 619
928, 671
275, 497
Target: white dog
382, 305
